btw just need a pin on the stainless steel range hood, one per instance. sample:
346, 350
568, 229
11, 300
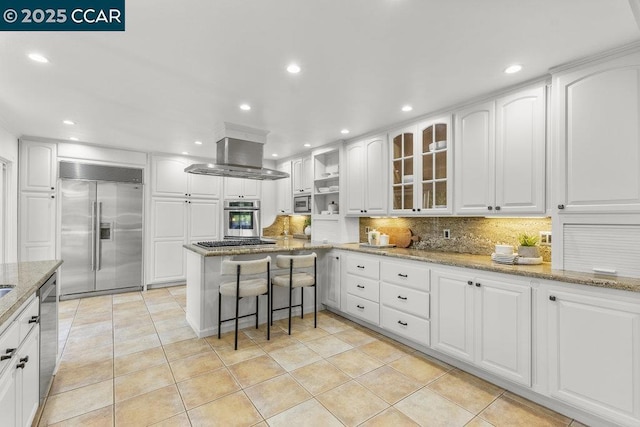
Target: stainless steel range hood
237, 158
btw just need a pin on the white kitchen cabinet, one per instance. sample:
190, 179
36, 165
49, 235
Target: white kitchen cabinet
362, 288
366, 176
284, 196
597, 129
28, 378
203, 220
483, 320
37, 226
421, 168
594, 352
332, 288
240, 188
168, 178
500, 155
302, 175
38, 166
8, 397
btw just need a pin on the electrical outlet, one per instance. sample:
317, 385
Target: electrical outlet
446, 233
545, 238
366, 230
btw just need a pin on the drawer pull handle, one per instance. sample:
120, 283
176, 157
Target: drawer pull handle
9, 354
24, 359
360, 266
402, 323
403, 275
34, 319
361, 307
360, 286
20, 366
552, 298
402, 298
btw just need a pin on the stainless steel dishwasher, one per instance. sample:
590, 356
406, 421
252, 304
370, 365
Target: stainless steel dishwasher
48, 296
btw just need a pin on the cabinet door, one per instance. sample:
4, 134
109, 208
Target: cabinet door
452, 314
8, 396
168, 235
284, 195
37, 226
38, 166
474, 159
296, 167
403, 176
598, 129
332, 288
233, 188
168, 177
375, 176
29, 378
354, 178
251, 188
307, 174
204, 220
205, 186
594, 354
435, 166
503, 328
520, 152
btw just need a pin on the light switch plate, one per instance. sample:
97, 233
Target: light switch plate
545, 238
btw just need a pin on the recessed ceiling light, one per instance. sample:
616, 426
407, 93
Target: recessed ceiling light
185, 153
274, 155
245, 107
344, 131
307, 145
38, 58
73, 138
293, 68
197, 142
407, 108
513, 68
68, 122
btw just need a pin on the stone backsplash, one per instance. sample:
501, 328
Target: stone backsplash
292, 224
473, 235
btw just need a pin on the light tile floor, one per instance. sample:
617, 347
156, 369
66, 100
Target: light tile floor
131, 360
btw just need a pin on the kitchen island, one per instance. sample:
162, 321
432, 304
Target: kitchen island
203, 280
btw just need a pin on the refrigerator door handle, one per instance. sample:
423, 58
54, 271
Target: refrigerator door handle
98, 248
94, 208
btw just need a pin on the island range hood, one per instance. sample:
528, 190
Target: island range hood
238, 157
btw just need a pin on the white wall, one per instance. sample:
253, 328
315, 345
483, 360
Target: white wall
9, 154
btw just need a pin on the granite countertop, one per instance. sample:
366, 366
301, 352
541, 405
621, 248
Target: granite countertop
282, 245
28, 277
483, 262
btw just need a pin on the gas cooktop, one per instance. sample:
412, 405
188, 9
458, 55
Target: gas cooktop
235, 242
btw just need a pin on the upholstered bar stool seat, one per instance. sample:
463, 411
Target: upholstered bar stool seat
296, 279
248, 287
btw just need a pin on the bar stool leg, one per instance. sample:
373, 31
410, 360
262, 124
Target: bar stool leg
268, 301
290, 292
257, 305
315, 294
219, 313
237, 306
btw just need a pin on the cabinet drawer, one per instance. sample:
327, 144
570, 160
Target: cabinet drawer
405, 299
365, 309
406, 325
364, 288
415, 276
28, 318
364, 267
9, 340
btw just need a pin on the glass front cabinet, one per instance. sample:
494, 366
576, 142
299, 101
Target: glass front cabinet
421, 168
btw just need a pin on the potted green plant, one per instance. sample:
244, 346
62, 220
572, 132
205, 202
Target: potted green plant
528, 246
307, 226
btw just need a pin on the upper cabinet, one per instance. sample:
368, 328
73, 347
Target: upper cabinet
284, 194
38, 161
168, 178
241, 188
421, 166
302, 175
500, 155
596, 130
366, 176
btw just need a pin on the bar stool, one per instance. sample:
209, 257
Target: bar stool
299, 279
239, 289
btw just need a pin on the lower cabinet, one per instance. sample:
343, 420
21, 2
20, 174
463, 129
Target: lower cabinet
331, 288
594, 353
484, 320
362, 287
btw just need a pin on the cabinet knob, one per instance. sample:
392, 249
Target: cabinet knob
186, 201
337, 257
490, 208
560, 206
469, 282
552, 297
413, 210
402, 323
361, 210
53, 197
53, 188
189, 202
185, 194
418, 209
497, 208
478, 284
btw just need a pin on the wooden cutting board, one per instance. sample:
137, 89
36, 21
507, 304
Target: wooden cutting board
399, 236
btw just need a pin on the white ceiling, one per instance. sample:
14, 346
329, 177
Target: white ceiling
182, 67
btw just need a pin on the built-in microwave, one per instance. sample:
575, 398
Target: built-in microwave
302, 204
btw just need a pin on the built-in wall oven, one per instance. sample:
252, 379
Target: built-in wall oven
242, 218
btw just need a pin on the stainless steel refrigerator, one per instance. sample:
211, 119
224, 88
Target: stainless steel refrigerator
101, 229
